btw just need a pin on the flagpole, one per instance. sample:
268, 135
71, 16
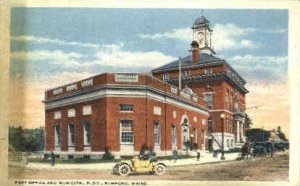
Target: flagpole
179, 77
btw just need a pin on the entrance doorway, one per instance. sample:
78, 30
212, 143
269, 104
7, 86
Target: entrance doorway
185, 131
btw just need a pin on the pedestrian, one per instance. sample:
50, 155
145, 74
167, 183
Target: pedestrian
175, 154
215, 152
198, 155
52, 155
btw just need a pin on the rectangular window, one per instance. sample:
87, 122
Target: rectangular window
126, 107
86, 83
87, 133
208, 71
185, 73
195, 135
126, 130
71, 113
174, 136
57, 135
57, 91
209, 97
203, 136
87, 110
165, 76
236, 104
156, 134
71, 134
227, 101
71, 87
57, 115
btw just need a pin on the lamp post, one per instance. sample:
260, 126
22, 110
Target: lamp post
222, 121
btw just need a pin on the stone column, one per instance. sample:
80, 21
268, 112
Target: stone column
242, 131
237, 131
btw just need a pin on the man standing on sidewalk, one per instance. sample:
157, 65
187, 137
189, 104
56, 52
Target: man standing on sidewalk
198, 155
175, 154
52, 155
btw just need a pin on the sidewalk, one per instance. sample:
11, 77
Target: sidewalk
206, 158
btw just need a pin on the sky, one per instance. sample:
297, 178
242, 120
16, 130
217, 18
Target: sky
54, 46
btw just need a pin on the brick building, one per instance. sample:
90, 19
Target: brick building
122, 112
214, 79
194, 99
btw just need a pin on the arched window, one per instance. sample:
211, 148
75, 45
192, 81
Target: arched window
174, 136
87, 133
195, 135
71, 134
227, 100
156, 134
57, 135
236, 104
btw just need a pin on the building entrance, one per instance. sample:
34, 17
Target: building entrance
185, 137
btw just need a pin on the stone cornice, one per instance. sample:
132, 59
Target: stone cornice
213, 76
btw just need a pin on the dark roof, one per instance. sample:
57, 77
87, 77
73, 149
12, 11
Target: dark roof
205, 60
201, 20
187, 62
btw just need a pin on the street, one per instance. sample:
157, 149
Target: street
258, 169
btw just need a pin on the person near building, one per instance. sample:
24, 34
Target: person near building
198, 155
175, 154
52, 156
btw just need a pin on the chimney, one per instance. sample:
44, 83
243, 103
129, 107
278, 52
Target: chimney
195, 52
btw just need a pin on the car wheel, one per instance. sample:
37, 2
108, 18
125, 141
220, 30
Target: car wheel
160, 169
124, 170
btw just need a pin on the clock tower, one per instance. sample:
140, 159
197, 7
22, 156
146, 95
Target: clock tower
202, 34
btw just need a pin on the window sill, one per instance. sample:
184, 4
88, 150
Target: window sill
124, 143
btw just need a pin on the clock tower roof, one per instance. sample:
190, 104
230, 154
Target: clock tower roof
201, 21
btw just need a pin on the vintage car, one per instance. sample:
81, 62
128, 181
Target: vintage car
139, 164
279, 146
263, 148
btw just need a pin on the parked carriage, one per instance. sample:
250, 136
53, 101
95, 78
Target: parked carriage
262, 149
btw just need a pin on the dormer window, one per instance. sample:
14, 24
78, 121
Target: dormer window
208, 70
185, 73
165, 76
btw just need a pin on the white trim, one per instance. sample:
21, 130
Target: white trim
122, 93
57, 91
86, 110
57, 115
186, 106
71, 113
227, 136
71, 87
221, 110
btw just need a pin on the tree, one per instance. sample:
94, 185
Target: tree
248, 121
26, 139
257, 134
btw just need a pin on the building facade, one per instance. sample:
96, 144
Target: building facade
123, 112
216, 81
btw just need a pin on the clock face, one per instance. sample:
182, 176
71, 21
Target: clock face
200, 38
